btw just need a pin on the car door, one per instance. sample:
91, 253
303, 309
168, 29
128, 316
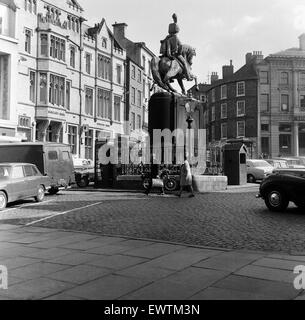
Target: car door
30, 181
17, 187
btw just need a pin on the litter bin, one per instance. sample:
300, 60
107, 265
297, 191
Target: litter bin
235, 166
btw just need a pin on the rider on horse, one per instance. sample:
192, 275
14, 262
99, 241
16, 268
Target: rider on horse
171, 47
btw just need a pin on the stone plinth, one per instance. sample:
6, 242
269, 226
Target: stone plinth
209, 183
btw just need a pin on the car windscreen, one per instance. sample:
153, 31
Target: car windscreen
4, 172
262, 163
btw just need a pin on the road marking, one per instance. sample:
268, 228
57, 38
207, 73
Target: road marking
25, 206
61, 213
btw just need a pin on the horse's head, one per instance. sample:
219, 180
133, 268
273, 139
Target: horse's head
190, 53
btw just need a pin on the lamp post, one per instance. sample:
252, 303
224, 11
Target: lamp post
190, 107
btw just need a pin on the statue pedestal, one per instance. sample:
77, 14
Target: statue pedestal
203, 184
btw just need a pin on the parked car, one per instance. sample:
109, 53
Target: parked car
52, 159
301, 160
20, 181
283, 186
84, 171
277, 163
258, 170
293, 163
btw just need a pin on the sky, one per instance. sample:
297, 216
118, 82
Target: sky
220, 30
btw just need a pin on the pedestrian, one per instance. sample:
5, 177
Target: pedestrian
155, 181
186, 179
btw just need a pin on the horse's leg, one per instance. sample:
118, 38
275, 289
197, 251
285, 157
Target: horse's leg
171, 88
181, 84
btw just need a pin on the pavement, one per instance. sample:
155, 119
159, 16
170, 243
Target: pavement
54, 264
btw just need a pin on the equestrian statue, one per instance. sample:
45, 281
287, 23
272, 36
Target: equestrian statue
175, 61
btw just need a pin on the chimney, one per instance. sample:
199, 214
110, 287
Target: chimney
214, 77
302, 41
248, 57
227, 71
119, 30
258, 56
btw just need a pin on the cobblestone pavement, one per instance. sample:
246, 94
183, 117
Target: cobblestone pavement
51, 264
234, 219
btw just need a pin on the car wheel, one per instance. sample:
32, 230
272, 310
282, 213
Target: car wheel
3, 200
170, 184
83, 183
146, 183
53, 191
251, 178
40, 194
276, 200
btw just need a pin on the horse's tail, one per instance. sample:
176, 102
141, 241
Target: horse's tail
156, 71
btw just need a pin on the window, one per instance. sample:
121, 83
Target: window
72, 138
89, 101
133, 121
44, 45
17, 173
133, 72
265, 127
284, 78
24, 122
302, 102
58, 48
139, 124
264, 77
88, 63
285, 102
43, 88
240, 128
144, 89
57, 90
213, 113
65, 155
133, 95
103, 104
213, 133
302, 78
32, 86
224, 129
72, 57
240, 108
28, 171
104, 67
1, 25
139, 76
264, 102
104, 43
224, 111
265, 145
240, 89
285, 144
119, 74
213, 95
144, 63
223, 92
139, 98
52, 155
28, 40
117, 108
283, 127
89, 144
68, 94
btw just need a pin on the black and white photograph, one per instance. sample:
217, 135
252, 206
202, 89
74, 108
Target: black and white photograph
152, 153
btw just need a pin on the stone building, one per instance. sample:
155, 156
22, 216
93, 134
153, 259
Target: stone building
71, 76
8, 68
139, 83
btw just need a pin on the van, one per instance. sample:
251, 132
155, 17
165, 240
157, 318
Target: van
52, 159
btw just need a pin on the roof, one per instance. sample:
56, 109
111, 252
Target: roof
76, 4
291, 52
13, 164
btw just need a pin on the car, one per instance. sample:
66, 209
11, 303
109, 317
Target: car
19, 181
283, 186
258, 169
84, 171
277, 163
293, 163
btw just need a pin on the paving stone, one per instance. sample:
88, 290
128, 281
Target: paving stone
107, 288
79, 274
267, 273
230, 261
35, 289
13, 263
273, 289
84, 245
117, 262
108, 240
30, 239
47, 254
136, 243
74, 259
227, 294
277, 263
109, 249
37, 270
7, 227
13, 252
154, 250
62, 297
144, 272
287, 257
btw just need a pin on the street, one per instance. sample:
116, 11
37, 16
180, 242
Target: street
234, 219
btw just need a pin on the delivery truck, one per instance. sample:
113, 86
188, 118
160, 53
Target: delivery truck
52, 159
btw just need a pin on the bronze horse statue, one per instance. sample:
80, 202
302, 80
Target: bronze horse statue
164, 70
